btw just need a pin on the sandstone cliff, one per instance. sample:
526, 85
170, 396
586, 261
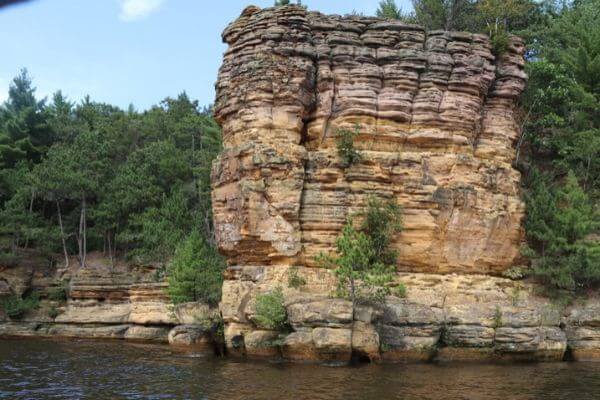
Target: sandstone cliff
436, 116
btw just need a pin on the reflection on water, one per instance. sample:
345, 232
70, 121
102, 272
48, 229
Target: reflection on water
31, 369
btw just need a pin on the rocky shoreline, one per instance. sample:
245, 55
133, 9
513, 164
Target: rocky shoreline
102, 302
442, 318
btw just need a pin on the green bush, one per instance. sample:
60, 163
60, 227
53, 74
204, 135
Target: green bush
195, 273
59, 293
345, 145
270, 310
16, 307
53, 312
399, 290
497, 317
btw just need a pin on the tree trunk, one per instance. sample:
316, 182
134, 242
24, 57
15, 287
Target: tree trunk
62, 235
80, 236
84, 231
110, 252
30, 213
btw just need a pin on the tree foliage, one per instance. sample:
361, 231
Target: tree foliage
87, 177
559, 148
364, 264
560, 224
389, 9
195, 272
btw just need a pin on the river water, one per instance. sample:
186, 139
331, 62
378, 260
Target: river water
42, 369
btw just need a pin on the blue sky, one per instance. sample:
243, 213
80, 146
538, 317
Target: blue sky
127, 51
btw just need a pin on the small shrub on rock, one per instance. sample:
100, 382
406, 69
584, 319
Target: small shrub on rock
295, 281
270, 310
345, 145
59, 293
16, 307
399, 291
53, 312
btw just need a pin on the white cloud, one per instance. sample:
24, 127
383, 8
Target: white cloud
133, 10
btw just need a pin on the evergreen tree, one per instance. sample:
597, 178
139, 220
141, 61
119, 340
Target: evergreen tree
389, 9
364, 264
450, 15
560, 225
194, 274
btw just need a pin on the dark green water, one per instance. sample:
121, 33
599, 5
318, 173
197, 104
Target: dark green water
38, 369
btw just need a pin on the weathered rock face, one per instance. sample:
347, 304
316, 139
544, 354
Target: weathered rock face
444, 317
436, 117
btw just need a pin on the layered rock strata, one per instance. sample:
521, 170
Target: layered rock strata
443, 317
435, 112
102, 302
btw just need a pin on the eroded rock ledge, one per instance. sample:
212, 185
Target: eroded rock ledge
102, 302
443, 317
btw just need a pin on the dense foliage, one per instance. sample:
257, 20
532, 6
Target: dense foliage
559, 151
365, 265
16, 306
494, 17
194, 274
270, 310
84, 177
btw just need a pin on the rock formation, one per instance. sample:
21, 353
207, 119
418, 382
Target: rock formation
124, 302
436, 117
435, 113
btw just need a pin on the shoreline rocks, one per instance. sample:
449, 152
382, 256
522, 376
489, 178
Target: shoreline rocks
102, 302
442, 318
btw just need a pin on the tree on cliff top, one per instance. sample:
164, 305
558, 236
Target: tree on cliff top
389, 9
